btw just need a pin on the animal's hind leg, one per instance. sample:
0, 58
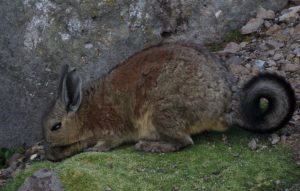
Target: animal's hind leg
170, 125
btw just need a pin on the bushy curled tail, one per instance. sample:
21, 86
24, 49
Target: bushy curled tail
267, 103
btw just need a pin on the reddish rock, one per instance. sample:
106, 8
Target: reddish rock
273, 29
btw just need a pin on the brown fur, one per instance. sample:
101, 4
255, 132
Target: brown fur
157, 97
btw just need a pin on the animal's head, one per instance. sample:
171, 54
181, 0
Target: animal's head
62, 126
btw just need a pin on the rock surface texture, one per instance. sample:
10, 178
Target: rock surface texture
42, 180
38, 36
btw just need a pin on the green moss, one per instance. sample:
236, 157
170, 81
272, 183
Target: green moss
216, 47
233, 36
210, 164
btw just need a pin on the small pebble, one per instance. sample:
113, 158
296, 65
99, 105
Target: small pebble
252, 144
34, 156
274, 139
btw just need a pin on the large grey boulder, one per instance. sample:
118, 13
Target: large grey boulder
38, 36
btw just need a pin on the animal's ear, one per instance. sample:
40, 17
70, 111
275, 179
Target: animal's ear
71, 93
63, 73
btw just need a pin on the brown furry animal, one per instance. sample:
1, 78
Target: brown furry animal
158, 98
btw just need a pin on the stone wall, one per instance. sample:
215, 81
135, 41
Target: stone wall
38, 36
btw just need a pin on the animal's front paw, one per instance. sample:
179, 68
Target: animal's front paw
101, 148
156, 147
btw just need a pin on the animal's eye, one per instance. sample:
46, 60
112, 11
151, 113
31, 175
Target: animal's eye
56, 126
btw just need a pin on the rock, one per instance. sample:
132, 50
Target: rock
234, 60
277, 56
292, 67
273, 29
239, 69
252, 144
297, 61
255, 23
267, 24
290, 57
243, 44
14, 158
252, 55
35, 152
33, 157
42, 180
175, 188
274, 44
39, 36
231, 47
272, 63
2, 183
297, 52
6, 174
291, 15
283, 62
282, 36
274, 139
263, 47
224, 138
271, 52
296, 32
297, 2
108, 189
283, 139
252, 26
260, 64
272, 69
295, 45
248, 66
19, 161
265, 14
256, 70
297, 117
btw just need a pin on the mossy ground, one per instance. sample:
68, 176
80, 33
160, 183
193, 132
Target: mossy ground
234, 36
211, 164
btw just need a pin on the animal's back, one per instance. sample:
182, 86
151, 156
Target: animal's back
181, 78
